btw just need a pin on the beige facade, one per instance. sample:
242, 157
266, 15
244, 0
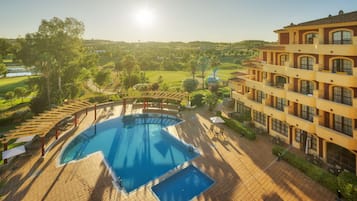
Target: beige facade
304, 89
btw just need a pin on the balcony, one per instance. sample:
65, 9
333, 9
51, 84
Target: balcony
304, 99
254, 84
248, 102
325, 49
300, 123
254, 105
275, 113
270, 68
349, 111
301, 73
275, 90
339, 78
336, 137
236, 85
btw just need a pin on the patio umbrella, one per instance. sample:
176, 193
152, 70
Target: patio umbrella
216, 120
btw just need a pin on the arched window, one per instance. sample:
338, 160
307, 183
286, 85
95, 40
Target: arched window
309, 38
342, 65
342, 37
306, 62
342, 95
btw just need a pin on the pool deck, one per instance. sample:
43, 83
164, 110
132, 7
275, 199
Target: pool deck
242, 169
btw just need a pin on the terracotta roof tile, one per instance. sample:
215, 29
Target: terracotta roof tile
343, 17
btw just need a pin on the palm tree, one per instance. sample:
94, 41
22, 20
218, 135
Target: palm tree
203, 63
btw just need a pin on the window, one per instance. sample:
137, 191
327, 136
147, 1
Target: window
306, 63
260, 96
241, 108
307, 87
313, 144
307, 113
342, 65
259, 117
284, 58
343, 124
298, 133
280, 103
280, 127
280, 81
342, 95
342, 37
309, 38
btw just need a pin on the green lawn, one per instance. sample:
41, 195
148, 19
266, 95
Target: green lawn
9, 84
175, 78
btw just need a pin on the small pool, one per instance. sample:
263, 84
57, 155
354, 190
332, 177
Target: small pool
184, 185
136, 147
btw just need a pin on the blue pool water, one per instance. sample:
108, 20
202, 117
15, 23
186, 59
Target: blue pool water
136, 147
184, 185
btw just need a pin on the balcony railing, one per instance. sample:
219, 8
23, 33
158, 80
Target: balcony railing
306, 99
336, 137
301, 123
348, 49
349, 111
338, 78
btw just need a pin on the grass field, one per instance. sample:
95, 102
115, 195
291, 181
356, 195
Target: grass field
175, 78
9, 84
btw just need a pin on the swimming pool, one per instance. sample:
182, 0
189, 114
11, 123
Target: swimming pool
184, 185
136, 147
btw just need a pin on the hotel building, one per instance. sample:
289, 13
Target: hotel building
304, 89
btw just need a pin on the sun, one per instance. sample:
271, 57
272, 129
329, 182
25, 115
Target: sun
144, 17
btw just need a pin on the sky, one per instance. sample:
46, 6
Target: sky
169, 20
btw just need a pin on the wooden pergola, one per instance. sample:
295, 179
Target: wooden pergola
161, 95
43, 123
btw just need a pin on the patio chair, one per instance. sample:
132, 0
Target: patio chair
221, 132
211, 128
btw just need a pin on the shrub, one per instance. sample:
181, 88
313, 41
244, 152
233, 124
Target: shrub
347, 184
244, 116
197, 100
240, 128
190, 85
316, 173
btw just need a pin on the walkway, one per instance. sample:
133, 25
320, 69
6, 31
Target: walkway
242, 169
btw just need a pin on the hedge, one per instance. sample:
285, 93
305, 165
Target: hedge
240, 128
316, 173
347, 183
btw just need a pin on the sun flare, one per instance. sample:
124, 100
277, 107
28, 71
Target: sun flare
144, 17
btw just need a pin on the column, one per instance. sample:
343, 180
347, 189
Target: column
57, 132
95, 112
43, 146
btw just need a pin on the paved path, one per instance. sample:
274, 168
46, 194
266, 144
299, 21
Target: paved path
242, 169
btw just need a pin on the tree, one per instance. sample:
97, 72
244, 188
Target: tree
192, 64
203, 64
3, 70
211, 100
55, 50
130, 65
190, 85
20, 92
9, 96
103, 77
